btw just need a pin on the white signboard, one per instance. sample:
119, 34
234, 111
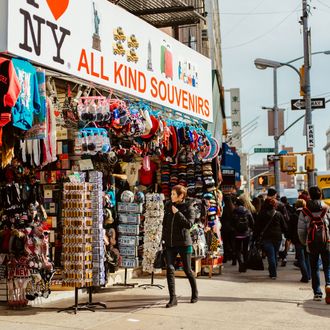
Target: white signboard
103, 43
310, 136
236, 119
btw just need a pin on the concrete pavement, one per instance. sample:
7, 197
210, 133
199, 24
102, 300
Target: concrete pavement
230, 301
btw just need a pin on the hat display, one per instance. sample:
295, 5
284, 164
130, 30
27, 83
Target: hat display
127, 196
214, 148
153, 130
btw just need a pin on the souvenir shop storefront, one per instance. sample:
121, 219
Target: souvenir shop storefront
99, 119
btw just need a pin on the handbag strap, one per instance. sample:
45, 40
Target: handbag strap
267, 226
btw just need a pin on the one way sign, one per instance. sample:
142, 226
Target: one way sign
299, 104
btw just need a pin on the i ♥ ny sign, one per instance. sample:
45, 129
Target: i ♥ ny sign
34, 27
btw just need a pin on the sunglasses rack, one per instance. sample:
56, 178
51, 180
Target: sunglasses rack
92, 140
128, 241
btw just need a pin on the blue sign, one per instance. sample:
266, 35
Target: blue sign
230, 159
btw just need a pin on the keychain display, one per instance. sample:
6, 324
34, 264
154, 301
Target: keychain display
77, 250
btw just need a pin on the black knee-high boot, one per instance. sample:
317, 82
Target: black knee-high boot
171, 288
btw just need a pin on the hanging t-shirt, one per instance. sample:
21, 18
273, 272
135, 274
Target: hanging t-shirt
147, 177
28, 102
9, 85
132, 172
38, 130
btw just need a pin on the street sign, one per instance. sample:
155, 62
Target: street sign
263, 150
310, 136
272, 158
299, 104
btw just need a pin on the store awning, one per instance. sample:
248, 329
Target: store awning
164, 13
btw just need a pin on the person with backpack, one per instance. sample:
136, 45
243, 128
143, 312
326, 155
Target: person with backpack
313, 232
302, 255
269, 228
243, 223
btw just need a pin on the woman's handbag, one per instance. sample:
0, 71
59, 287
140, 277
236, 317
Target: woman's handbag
159, 261
254, 260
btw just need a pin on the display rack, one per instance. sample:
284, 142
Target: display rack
151, 285
78, 242
129, 217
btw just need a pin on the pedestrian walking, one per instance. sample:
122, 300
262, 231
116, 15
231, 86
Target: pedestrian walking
280, 207
269, 229
227, 229
313, 232
179, 216
243, 224
301, 252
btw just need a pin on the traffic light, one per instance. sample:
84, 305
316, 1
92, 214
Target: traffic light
302, 80
309, 162
263, 180
288, 163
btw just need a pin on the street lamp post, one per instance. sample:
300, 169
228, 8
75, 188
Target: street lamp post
262, 64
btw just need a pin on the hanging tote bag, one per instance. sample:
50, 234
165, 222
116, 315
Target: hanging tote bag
254, 260
159, 261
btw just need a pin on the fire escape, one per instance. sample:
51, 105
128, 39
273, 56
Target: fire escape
166, 13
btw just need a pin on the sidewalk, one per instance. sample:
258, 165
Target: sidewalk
230, 301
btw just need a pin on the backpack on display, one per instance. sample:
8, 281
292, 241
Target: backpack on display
317, 236
242, 223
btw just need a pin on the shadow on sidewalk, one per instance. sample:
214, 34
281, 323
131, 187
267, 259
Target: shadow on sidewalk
123, 304
311, 307
316, 308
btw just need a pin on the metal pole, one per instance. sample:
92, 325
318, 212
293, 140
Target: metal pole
276, 137
307, 84
248, 173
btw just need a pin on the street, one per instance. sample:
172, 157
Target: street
230, 301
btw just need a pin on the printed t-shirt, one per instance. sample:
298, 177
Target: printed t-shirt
9, 85
28, 102
146, 177
132, 172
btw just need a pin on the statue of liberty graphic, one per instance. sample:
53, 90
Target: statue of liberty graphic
96, 34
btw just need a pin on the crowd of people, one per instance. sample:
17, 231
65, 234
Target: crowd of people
275, 226
269, 224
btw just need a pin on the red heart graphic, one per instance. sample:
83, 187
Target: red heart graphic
58, 7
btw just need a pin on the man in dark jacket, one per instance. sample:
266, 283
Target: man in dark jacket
269, 228
280, 207
243, 223
316, 210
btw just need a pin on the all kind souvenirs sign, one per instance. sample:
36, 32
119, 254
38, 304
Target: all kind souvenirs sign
100, 42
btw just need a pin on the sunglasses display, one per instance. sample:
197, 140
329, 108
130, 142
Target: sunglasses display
92, 140
94, 109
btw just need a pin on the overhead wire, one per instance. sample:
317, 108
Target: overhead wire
324, 4
254, 14
264, 34
243, 19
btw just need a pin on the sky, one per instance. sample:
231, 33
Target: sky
269, 29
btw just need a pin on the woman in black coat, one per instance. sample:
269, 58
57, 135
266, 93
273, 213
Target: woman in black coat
269, 228
179, 216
